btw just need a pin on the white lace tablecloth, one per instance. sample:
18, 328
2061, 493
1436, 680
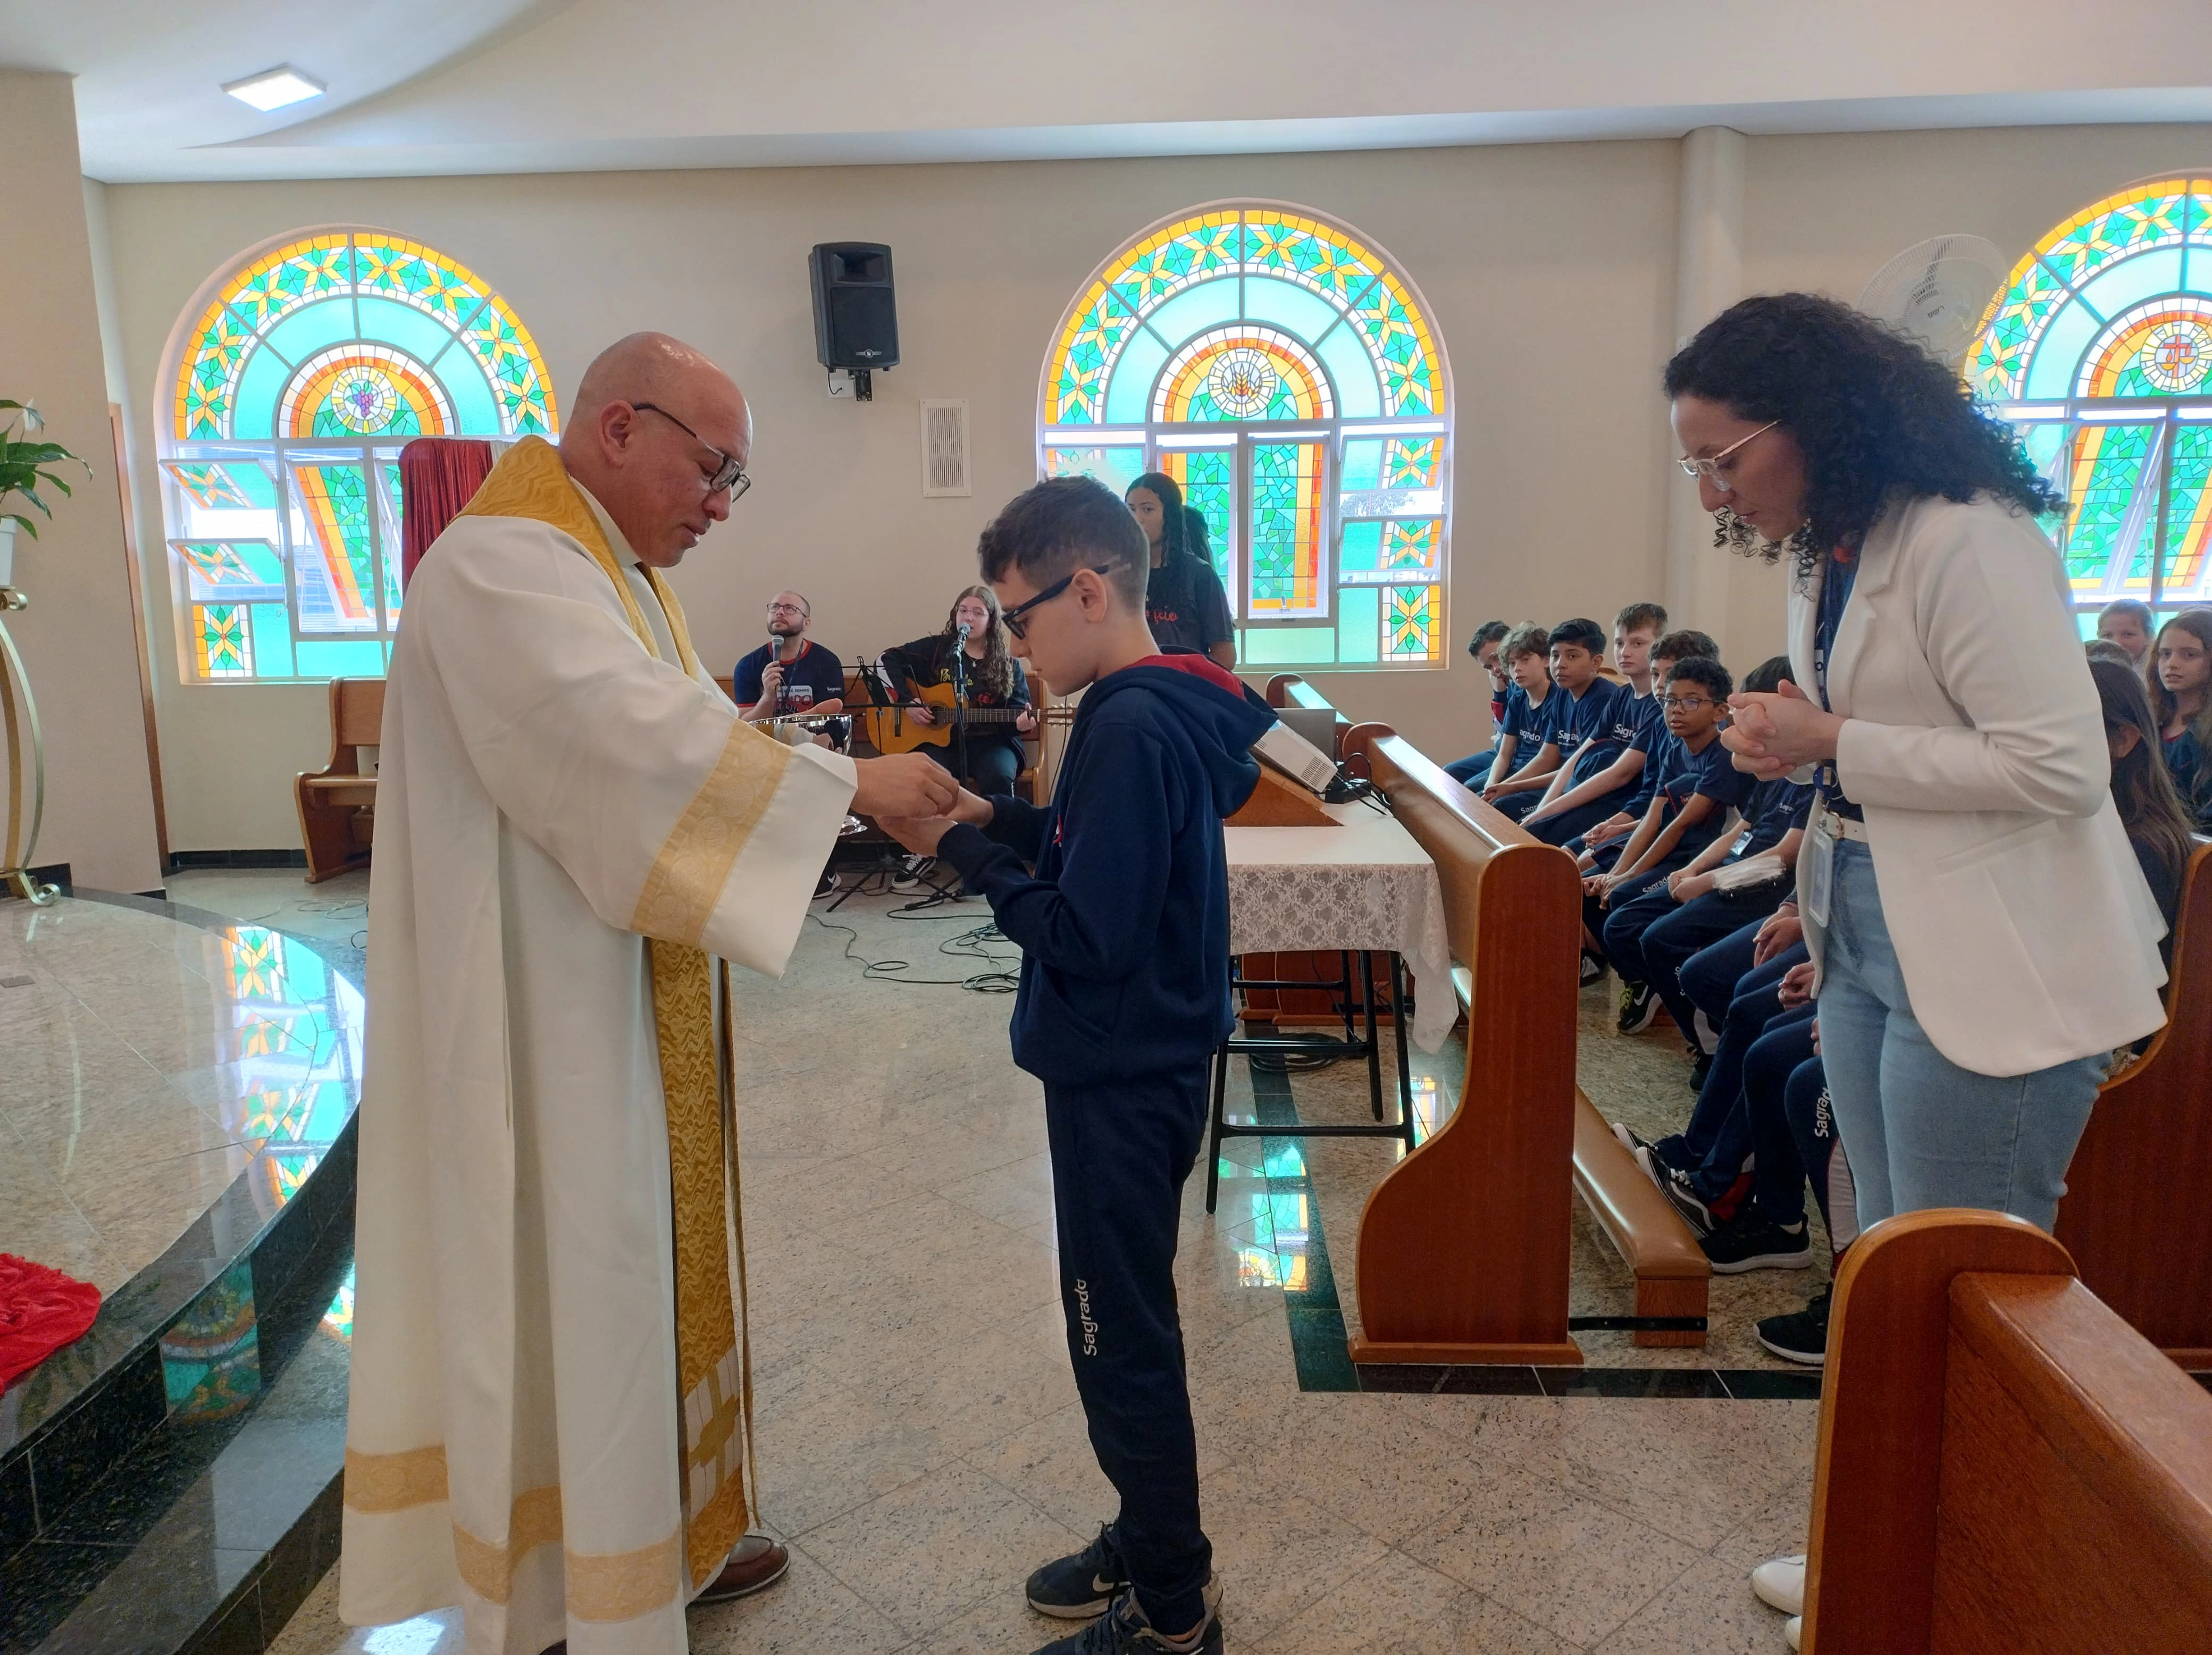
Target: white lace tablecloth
1365, 884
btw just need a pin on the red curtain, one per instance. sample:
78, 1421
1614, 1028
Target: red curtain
438, 476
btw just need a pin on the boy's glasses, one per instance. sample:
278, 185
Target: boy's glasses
1683, 703
1012, 616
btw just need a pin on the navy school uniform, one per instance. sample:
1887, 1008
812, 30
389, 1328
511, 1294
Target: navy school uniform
1594, 730
1475, 770
1657, 936
1121, 915
1636, 903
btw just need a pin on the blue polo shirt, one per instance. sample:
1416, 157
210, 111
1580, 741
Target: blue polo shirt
1650, 739
1528, 723
1711, 773
1773, 809
1595, 728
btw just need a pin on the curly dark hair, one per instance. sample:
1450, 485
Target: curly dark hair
1873, 414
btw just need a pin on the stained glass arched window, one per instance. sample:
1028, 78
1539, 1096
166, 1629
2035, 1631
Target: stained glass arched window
1285, 373
2098, 348
296, 386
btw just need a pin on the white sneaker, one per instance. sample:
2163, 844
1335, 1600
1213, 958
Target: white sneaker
1793, 1629
1780, 1583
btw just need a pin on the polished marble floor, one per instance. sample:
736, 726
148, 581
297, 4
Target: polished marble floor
920, 1445
148, 1063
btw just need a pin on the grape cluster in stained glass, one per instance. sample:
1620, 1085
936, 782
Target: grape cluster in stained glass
2098, 348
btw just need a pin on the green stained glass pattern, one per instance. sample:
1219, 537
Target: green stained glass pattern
1303, 251
1997, 366
222, 488
394, 515
232, 571
204, 401
277, 287
1176, 260
2109, 464
1392, 477
497, 342
1409, 623
1286, 578
2188, 574
336, 567
1208, 480
2114, 229
223, 641
414, 276
1094, 344
1398, 341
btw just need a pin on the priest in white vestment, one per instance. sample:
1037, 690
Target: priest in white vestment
550, 1414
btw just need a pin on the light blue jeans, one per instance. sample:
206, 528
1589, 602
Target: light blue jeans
1920, 1130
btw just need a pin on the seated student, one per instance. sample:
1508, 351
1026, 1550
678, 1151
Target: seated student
1596, 721
2180, 686
2126, 622
790, 673
1635, 630
1696, 792
1473, 770
1650, 938
1532, 705
1650, 737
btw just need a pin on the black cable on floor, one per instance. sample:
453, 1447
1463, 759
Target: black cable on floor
968, 944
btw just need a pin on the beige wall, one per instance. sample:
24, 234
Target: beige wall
1548, 269
77, 637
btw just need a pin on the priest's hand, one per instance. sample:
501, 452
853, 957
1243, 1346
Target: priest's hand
904, 784
974, 809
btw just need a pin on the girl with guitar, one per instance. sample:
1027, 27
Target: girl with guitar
961, 689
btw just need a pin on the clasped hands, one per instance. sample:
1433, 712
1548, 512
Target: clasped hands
915, 798
1772, 735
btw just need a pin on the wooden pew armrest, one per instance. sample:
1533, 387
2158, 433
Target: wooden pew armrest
1628, 1207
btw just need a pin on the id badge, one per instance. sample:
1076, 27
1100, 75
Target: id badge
1820, 871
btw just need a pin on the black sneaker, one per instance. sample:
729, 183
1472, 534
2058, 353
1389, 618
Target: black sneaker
1701, 1068
1639, 1008
912, 872
1123, 1630
1802, 1337
1676, 1186
1748, 1242
1593, 968
1080, 1585
1655, 1159
825, 885
1631, 1140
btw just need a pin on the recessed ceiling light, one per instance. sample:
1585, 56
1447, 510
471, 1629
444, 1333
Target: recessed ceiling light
273, 89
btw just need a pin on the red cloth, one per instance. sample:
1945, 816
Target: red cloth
438, 476
1199, 666
41, 1309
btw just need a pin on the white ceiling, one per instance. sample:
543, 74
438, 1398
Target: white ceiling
490, 86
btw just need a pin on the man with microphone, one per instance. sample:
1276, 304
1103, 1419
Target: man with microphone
790, 673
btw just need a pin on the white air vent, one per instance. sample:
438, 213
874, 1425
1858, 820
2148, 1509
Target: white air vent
944, 449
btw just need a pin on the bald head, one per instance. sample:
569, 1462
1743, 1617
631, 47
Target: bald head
650, 425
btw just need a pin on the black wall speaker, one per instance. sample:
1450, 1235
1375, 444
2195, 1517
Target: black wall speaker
855, 317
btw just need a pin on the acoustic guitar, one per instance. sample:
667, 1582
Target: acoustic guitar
890, 730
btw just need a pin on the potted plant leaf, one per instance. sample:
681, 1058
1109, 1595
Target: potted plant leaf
25, 464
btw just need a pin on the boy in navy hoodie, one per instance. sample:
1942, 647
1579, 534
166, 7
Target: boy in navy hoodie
1117, 894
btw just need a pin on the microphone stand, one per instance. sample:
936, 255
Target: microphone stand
959, 709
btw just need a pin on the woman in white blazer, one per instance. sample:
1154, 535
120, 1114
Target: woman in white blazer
1983, 936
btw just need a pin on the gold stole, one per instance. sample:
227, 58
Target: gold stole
714, 1356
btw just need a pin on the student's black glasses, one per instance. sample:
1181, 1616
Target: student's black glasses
1012, 616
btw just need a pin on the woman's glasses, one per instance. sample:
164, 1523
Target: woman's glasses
1710, 471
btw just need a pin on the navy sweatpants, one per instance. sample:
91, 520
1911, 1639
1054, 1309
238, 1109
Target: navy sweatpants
1567, 825
1472, 771
1719, 1132
1120, 1150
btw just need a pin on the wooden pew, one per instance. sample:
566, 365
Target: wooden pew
2004, 1464
2137, 1215
1463, 1246
337, 803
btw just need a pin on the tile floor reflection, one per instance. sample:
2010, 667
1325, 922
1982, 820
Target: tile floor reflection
921, 1449
148, 1063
